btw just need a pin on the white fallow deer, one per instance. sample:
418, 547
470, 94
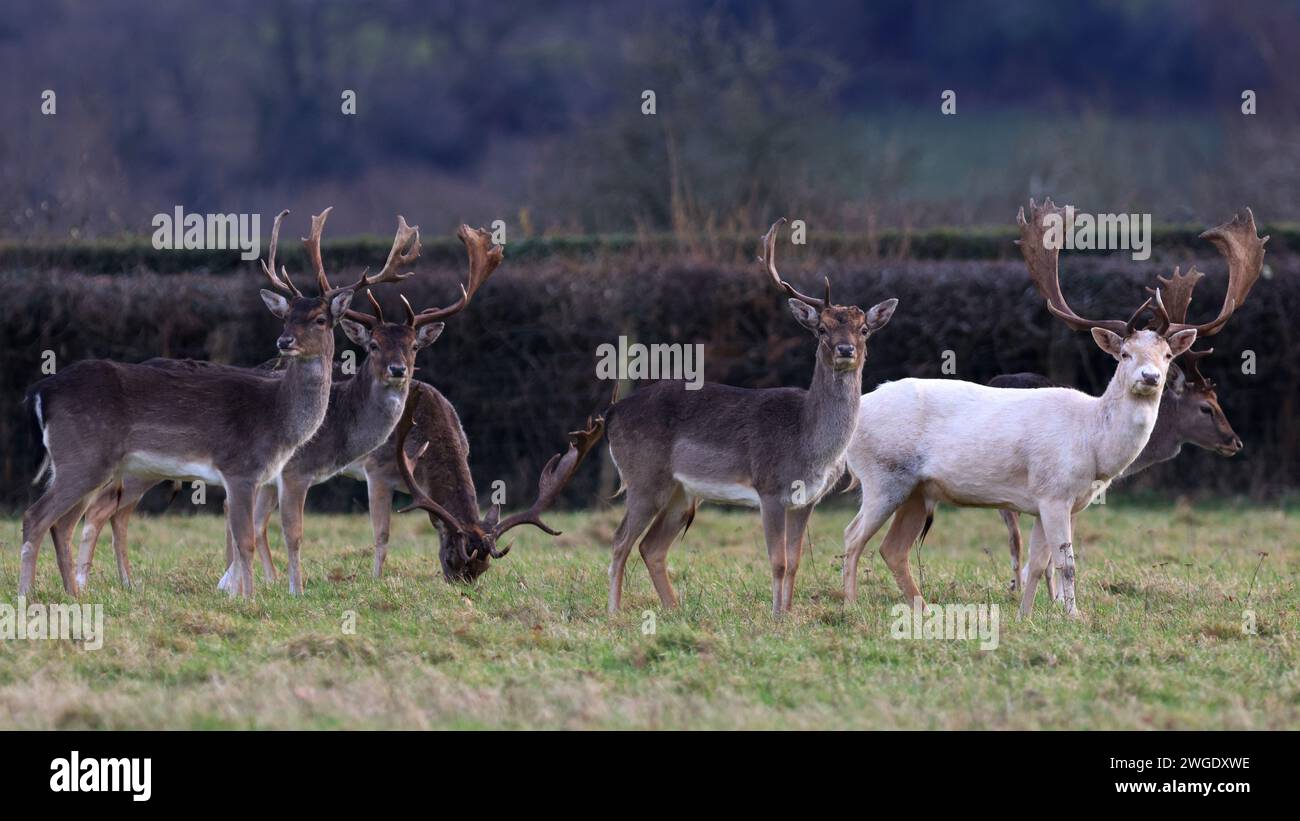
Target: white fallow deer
780, 449
1046, 452
102, 420
1190, 413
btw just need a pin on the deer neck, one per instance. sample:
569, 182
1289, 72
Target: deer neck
830, 412
303, 397
367, 409
1123, 426
1165, 441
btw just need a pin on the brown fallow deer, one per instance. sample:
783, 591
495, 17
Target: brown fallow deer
103, 420
1047, 452
780, 449
362, 413
1190, 414
428, 457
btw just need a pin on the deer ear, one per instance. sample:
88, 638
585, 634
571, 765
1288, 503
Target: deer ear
277, 304
340, 302
1176, 380
1108, 341
427, 334
358, 333
879, 315
805, 314
1181, 341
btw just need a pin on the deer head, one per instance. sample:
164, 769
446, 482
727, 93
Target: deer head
1144, 356
842, 331
308, 321
391, 347
469, 546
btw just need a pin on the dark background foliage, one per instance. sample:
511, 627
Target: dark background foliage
519, 365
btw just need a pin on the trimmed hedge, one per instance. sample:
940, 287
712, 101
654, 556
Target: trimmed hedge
520, 364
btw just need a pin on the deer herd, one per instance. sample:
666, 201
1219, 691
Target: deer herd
1020, 444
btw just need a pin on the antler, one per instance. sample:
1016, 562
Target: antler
769, 259
1239, 242
281, 281
407, 237
1191, 364
557, 473
1043, 271
420, 499
312, 243
484, 257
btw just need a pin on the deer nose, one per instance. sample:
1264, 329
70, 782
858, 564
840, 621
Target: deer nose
1150, 377
844, 351
1237, 444
285, 342
397, 370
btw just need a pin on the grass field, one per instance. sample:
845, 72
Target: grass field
1163, 587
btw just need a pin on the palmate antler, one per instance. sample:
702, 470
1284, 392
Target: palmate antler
279, 281
405, 251
555, 476
1239, 242
484, 257
1043, 271
769, 261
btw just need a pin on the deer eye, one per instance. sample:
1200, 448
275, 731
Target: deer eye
1169, 356
320, 320
1125, 355
1206, 409
821, 331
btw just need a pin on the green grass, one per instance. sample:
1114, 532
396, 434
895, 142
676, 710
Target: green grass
1164, 588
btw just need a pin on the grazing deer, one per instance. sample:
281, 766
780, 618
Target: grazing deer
433, 466
781, 449
362, 413
1047, 452
101, 420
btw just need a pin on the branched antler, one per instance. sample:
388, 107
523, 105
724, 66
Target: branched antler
769, 261
484, 257
1043, 271
280, 281
1239, 242
557, 473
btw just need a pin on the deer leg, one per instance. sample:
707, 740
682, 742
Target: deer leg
239, 499
119, 521
1012, 520
796, 524
293, 500
774, 522
876, 508
1040, 559
674, 517
61, 533
263, 507
381, 511
97, 515
641, 511
1058, 526
58, 499
909, 522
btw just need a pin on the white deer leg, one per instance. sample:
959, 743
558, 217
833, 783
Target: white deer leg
1039, 560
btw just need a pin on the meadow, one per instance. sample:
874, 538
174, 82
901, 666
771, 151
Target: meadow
1165, 588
